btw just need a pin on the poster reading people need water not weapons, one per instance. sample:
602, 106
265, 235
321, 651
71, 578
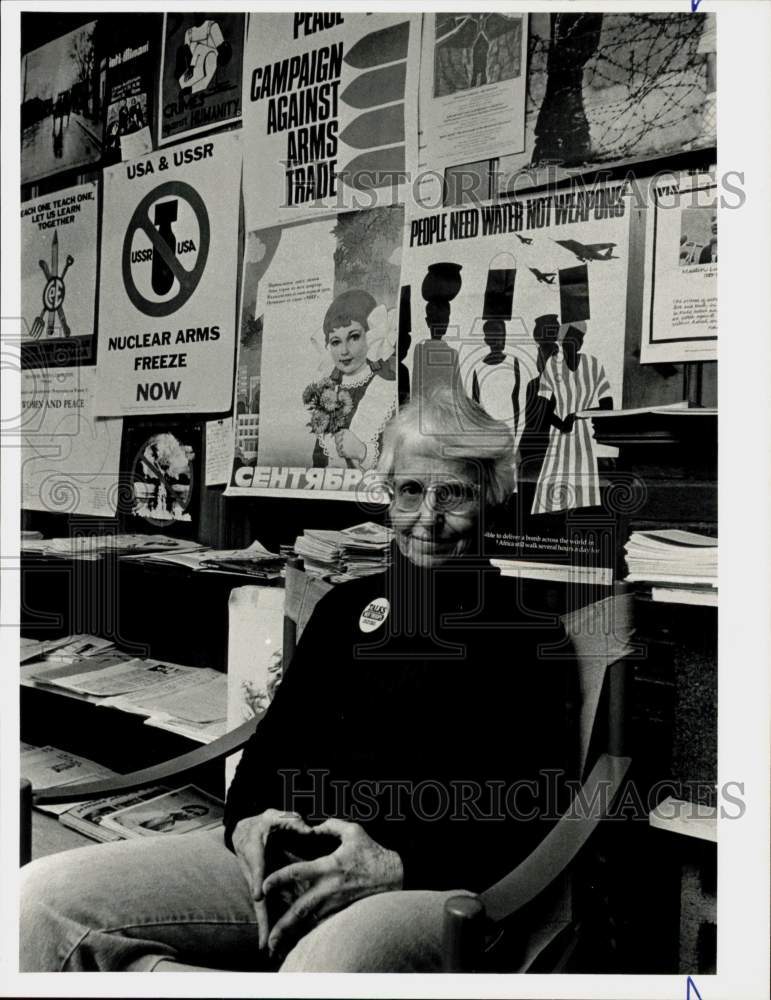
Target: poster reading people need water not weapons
330, 116
316, 380
519, 301
58, 277
169, 262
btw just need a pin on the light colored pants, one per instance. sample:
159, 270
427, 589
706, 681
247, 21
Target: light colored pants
126, 906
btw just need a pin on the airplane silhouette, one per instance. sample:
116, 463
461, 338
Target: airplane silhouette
589, 251
524, 239
545, 279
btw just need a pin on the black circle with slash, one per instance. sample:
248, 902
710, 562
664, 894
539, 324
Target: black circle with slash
188, 280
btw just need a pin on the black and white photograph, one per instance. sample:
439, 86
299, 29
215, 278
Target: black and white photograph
384, 540
60, 105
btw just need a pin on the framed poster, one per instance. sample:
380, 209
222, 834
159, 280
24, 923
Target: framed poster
168, 292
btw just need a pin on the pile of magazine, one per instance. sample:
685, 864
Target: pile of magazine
191, 701
146, 812
680, 566
339, 555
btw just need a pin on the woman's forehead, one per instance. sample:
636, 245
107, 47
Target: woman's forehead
419, 463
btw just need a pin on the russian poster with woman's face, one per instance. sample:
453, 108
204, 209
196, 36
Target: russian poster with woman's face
316, 380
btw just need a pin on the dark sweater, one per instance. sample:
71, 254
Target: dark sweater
420, 728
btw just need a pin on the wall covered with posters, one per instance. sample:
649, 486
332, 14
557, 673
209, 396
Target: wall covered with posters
235, 244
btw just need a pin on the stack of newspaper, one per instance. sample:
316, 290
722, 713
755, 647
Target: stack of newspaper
191, 701
680, 565
353, 552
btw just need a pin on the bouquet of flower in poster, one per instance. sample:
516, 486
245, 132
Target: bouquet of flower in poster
328, 407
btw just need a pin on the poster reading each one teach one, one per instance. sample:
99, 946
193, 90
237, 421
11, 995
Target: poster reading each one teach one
330, 116
58, 277
61, 125
70, 459
680, 317
316, 381
473, 81
519, 302
168, 290
201, 64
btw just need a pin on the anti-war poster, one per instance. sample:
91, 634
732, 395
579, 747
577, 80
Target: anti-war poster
316, 382
58, 277
169, 268
201, 66
522, 306
330, 116
680, 313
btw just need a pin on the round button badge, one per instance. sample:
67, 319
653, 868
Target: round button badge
374, 614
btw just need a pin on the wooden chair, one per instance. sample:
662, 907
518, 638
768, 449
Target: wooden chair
535, 896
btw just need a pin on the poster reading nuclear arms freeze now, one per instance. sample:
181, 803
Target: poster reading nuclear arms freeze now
316, 381
168, 290
330, 115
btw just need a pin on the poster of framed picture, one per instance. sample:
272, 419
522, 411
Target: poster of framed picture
161, 475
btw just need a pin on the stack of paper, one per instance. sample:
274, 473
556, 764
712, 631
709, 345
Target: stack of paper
49, 767
254, 561
191, 701
673, 557
93, 547
355, 551
87, 817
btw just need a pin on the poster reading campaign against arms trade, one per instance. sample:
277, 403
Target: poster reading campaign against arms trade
70, 460
517, 302
330, 116
169, 260
58, 277
680, 317
200, 73
316, 380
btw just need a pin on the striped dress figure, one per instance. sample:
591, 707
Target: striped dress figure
569, 476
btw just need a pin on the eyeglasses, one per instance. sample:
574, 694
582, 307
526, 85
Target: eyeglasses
445, 497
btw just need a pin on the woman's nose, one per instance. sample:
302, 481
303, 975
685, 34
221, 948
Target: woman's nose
427, 513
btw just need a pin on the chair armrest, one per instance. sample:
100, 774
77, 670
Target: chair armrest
563, 842
220, 748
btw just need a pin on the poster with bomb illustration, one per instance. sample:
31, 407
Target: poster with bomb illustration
330, 116
522, 306
316, 381
168, 291
201, 65
58, 277
473, 76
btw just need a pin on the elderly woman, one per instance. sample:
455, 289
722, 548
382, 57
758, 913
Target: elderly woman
412, 752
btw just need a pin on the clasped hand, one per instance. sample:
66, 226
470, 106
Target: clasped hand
315, 889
